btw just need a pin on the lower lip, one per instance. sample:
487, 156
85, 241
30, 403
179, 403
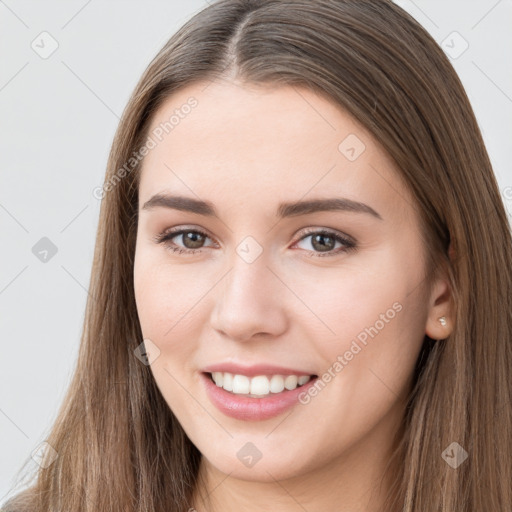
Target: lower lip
252, 409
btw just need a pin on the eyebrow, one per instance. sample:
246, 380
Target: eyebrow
291, 209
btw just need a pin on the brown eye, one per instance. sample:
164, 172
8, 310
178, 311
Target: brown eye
192, 240
323, 241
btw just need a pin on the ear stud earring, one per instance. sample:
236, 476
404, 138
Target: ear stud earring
442, 321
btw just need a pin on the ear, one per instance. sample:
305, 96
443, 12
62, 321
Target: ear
440, 305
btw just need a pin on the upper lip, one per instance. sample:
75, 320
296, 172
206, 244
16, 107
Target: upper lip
254, 370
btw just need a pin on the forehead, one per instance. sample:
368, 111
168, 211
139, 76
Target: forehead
249, 144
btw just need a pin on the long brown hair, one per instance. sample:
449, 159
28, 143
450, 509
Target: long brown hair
119, 445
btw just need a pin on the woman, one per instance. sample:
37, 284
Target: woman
302, 280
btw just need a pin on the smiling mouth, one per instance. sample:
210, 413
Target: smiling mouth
260, 386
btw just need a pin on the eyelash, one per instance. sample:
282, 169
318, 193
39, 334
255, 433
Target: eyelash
167, 235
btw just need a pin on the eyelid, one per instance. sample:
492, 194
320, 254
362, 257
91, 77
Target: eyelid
329, 231
349, 242
178, 230
304, 232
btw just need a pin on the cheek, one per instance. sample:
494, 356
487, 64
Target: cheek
167, 295
173, 302
368, 362
370, 314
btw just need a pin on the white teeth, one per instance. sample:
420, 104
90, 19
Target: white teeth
303, 380
291, 381
241, 384
276, 384
218, 377
227, 383
258, 386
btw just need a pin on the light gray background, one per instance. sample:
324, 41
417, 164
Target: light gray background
57, 120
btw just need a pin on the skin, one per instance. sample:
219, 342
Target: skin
246, 149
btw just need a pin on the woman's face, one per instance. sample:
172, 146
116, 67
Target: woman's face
253, 288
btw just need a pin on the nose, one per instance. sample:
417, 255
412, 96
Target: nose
250, 302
